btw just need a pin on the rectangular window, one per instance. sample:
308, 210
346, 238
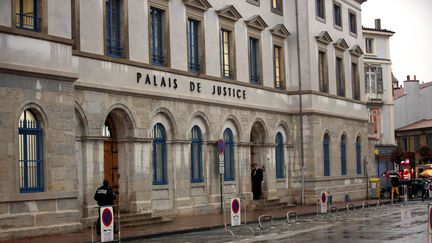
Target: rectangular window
369, 45
416, 143
157, 36
322, 71
276, 6
193, 46
225, 55
375, 120
337, 15
373, 80
320, 9
340, 80
355, 81
406, 144
253, 61
27, 15
277, 66
429, 141
113, 29
353, 23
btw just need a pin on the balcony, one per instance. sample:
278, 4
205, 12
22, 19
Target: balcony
28, 22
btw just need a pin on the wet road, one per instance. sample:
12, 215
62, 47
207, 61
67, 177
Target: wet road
398, 223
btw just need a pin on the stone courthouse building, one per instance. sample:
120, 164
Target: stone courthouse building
140, 91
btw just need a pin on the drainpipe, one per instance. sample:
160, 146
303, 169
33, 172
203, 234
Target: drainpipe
300, 106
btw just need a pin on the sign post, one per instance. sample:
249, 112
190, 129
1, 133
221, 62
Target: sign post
235, 212
221, 149
106, 224
323, 200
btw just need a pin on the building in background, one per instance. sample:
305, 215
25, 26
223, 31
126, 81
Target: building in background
379, 95
139, 93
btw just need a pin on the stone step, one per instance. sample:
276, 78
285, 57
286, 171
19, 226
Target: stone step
137, 216
152, 221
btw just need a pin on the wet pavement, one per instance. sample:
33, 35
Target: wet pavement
404, 222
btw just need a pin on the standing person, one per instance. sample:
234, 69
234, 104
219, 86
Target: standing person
395, 185
104, 196
257, 177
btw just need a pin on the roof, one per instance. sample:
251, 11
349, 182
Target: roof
394, 79
399, 92
379, 30
421, 124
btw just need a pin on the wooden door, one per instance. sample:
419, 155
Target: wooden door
111, 171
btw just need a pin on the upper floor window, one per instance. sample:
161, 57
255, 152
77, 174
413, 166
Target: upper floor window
337, 15
375, 120
228, 155
27, 14
276, 6
196, 155
113, 28
157, 36
358, 155
226, 55
355, 81
373, 80
369, 42
279, 156
193, 45
406, 144
322, 71
343, 155
326, 154
30, 159
320, 9
278, 77
353, 23
253, 61
159, 155
340, 80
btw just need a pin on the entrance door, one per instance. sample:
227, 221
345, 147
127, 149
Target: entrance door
111, 172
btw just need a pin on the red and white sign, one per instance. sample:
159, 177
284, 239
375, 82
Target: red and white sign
235, 212
221, 146
323, 200
107, 224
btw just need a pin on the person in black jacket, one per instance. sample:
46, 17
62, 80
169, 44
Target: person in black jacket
104, 196
257, 177
395, 186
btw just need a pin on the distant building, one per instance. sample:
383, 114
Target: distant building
379, 94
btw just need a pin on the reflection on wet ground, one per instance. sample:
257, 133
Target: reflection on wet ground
389, 223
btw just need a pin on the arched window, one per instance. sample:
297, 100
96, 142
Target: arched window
31, 176
326, 154
279, 156
358, 155
196, 155
229, 155
159, 155
343, 155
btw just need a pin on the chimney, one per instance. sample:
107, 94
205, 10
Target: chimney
378, 24
415, 78
408, 77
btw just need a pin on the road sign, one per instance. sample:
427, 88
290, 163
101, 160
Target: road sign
323, 200
221, 146
107, 224
221, 163
235, 212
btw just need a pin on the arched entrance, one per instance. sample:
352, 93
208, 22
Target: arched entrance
111, 167
257, 152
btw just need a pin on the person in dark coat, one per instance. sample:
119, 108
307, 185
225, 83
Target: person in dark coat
395, 185
257, 177
104, 196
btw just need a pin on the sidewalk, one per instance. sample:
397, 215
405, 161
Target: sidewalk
182, 224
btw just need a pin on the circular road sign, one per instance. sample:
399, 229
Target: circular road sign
221, 146
107, 217
323, 197
235, 206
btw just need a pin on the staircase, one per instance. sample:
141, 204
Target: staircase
268, 204
137, 220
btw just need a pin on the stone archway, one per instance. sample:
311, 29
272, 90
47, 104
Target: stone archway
257, 149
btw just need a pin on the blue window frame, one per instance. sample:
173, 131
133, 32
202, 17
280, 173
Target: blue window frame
228, 155
225, 55
157, 36
358, 155
193, 45
343, 155
326, 153
253, 61
279, 156
31, 171
196, 155
159, 155
27, 15
113, 28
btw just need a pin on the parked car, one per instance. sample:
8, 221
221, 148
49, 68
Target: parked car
415, 188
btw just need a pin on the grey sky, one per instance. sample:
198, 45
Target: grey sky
411, 46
